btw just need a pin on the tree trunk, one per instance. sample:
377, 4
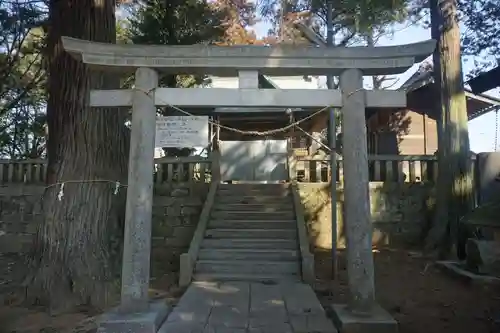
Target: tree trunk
454, 182
77, 254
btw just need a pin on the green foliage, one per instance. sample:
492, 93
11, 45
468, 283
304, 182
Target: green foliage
22, 93
481, 38
177, 22
480, 30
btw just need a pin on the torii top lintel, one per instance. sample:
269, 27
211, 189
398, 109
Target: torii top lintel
268, 60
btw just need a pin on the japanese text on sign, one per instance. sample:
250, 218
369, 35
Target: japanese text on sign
181, 132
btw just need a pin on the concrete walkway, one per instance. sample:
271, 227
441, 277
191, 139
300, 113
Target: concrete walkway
241, 307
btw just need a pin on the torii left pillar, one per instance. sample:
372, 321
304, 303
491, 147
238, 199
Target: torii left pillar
136, 313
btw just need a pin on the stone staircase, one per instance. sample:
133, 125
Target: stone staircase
251, 236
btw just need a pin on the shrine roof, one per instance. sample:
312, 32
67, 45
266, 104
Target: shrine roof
485, 81
477, 104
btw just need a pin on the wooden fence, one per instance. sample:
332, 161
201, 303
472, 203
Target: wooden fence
395, 168
167, 169
23, 171
384, 168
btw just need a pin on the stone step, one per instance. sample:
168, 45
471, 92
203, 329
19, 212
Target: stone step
258, 188
224, 193
257, 197
260, 207
259, 278
251, 233
232, 243
275, 188
252, 224
242, 215
248, 254
255, 185
252, 201
248, 267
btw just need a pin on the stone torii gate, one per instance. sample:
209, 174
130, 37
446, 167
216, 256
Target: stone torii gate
245, 62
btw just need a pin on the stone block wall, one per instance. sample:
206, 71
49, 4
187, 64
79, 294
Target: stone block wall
20, 211
176, 210
399, 212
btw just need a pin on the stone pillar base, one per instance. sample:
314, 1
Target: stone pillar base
380, 321
144, 322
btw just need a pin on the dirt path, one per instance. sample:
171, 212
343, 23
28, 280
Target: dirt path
16, 317
419, 296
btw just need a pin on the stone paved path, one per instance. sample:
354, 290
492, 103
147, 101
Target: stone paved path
243, 307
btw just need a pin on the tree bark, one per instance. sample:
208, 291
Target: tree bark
454, 182
76, 257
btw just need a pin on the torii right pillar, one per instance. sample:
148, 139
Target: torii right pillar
361, 314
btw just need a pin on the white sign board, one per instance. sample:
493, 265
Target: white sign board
181, 132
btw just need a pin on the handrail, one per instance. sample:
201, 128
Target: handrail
188, 259
307, 258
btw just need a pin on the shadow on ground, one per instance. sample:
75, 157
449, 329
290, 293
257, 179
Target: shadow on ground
417, 294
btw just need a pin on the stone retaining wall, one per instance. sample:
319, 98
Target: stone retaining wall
175, 214
20, 211
399, 212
